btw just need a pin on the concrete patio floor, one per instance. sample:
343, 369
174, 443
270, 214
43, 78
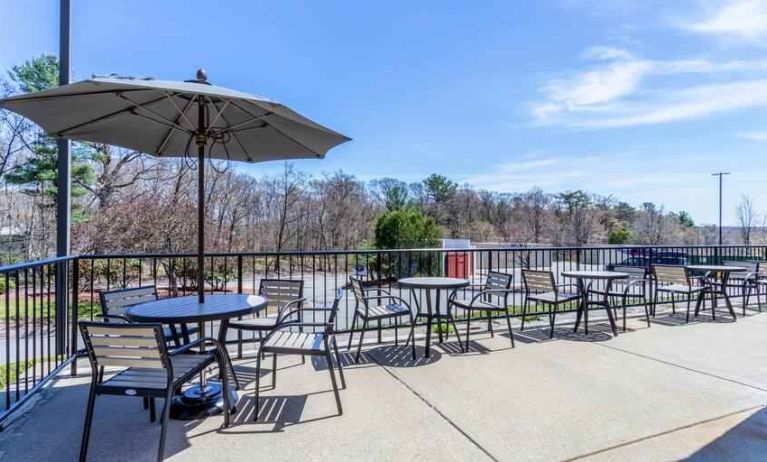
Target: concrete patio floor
668, 392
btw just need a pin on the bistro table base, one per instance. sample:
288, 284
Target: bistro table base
195, 403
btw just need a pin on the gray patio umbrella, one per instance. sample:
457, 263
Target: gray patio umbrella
164, 118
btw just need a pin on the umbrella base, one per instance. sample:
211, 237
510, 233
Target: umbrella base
197, 402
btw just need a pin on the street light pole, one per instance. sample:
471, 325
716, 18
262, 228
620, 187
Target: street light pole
720, 175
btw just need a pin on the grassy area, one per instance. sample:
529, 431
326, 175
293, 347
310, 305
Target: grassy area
39, 308
11, 368
446, 327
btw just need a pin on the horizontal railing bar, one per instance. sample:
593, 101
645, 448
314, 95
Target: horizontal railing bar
36, 263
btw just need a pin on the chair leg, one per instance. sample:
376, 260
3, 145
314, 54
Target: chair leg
508, 323
451, 319
362, 337
411, 335
146, 402
468, 331
152, 411
553, 318
646, 310
490, 324
333, 378
351, 331
164, 428
689, 301
524, 314
88, 422
274, 371
338, 360
625, 301
228, 406
258, 386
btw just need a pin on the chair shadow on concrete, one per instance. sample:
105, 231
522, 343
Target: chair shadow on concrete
277, 412
401, 356
744, 442
598, 332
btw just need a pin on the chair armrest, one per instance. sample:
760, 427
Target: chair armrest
108, 317
390, 297
190, 345
376, 289
562, 286
288, 309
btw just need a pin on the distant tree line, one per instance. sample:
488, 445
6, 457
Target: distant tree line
124, 201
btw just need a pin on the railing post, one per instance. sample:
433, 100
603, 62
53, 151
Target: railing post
61, 306
239, 274
75, 312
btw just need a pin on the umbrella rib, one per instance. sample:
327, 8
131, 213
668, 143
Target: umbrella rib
142, 106
61, 133
234, 135
281, 132
178, 121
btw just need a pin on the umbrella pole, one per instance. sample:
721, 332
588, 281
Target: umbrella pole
201, 141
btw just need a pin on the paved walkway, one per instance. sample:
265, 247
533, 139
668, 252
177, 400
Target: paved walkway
669, 392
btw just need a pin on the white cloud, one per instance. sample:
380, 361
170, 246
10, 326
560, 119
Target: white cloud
741, 19
615, 91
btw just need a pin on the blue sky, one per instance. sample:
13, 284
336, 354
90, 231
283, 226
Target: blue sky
638, 99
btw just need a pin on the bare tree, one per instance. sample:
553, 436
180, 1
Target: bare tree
747, 216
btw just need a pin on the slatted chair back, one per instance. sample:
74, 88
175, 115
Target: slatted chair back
634, 272
750, 265
278, 292
358, 290
498, 281
539, 281
670, 274
115, 302
125, 345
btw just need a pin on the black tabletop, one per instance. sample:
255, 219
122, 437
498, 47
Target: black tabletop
189, 309
433, 283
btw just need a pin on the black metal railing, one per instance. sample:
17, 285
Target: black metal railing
39, 335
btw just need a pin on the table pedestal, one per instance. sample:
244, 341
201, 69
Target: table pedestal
205, 398
583, 309
197, 402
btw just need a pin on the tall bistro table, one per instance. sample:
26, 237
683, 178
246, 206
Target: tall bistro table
581, 277
205, 398
724, 275
437, 285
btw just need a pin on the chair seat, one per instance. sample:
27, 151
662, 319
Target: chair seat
265, 323
184, 365
295, 342
634, 291
479, 304
383, 311
680, 289
553, 297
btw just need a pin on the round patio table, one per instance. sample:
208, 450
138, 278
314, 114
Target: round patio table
581, 277
724, 272
205, 398
429, 284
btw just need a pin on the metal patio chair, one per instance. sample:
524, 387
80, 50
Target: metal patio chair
285, 339
747, 282
541, 287
675, 279
492, 298
369, 309
634, 287
115, 302
148, 369
281, 295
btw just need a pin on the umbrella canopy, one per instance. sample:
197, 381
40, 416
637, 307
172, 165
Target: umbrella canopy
164, 118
